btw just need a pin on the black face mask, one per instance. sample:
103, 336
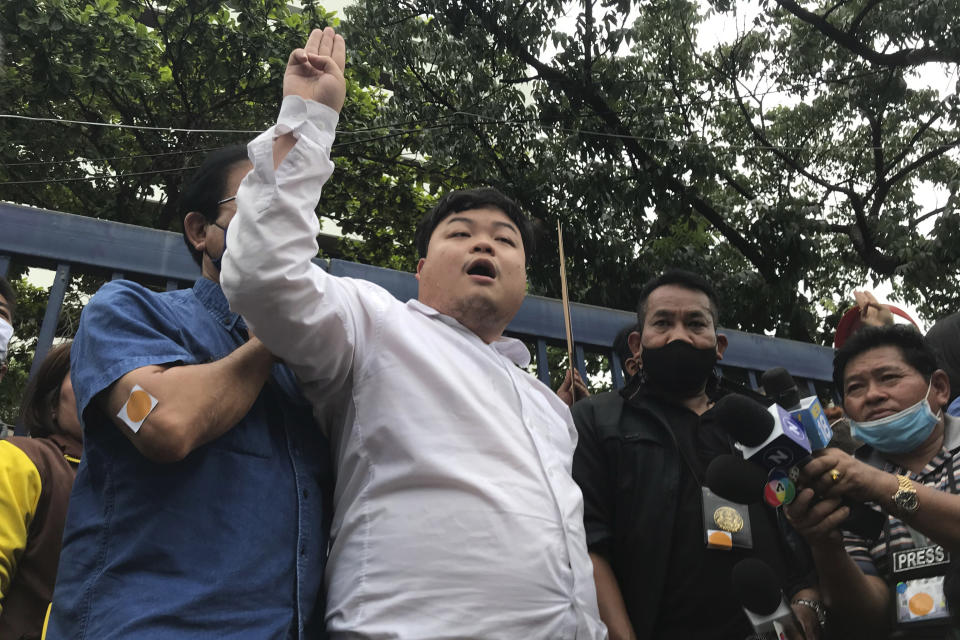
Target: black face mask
678, 367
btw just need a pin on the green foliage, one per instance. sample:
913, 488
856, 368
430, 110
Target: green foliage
784, 163
184, 64
31, 305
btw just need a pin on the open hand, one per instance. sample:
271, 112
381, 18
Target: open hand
315, 72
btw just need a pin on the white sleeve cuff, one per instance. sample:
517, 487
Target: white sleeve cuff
298, 116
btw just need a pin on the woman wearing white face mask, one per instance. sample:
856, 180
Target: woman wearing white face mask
36, 476
894, 396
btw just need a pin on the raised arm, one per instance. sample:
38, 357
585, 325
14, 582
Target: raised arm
310, 320
314, 72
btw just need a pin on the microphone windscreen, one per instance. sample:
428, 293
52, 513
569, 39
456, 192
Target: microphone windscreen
747, 421
779, 384
756, 586
733, 478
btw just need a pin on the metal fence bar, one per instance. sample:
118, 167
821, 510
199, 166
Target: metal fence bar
616, 369
543, 367
82, 245
580, 361
51, 315
752, 377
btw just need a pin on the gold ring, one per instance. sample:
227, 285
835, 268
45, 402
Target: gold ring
835, 475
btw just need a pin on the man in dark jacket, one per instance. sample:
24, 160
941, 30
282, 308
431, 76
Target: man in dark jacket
640, 462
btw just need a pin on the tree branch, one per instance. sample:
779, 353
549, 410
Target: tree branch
867, 8
903, 57
588, 95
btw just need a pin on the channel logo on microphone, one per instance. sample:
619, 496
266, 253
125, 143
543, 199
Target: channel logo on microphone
780, 489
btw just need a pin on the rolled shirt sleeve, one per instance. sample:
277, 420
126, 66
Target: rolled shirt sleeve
310, 320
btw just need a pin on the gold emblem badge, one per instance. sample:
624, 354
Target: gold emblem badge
728, 519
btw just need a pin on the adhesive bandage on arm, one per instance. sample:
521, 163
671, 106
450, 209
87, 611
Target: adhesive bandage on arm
138, 406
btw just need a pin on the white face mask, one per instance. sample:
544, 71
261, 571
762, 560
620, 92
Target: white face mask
6, 333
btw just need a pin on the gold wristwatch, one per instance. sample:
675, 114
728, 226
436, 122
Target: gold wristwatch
905, 498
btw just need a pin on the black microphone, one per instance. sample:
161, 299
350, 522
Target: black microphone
734, 479
758, 590
778, 384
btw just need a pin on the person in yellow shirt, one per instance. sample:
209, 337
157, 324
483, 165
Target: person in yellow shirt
36, 476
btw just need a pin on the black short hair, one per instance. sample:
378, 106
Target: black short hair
42, 396
466, 199
8, 294
912, 346
681, 278
206, 187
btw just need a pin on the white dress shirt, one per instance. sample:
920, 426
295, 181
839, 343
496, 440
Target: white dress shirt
455, 514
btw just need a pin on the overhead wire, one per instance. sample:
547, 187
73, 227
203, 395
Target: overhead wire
713, 144
398, 130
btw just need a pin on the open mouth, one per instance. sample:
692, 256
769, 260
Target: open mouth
483, 268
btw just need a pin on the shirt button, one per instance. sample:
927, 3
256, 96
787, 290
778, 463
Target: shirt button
303, 551
306, 494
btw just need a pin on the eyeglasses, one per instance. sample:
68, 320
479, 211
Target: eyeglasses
226, 200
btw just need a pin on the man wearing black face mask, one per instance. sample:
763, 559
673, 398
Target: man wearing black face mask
640, 462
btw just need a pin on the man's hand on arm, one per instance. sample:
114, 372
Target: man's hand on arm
314, 72
195, 403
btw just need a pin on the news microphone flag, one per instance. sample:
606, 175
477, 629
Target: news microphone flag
786, 446
815, 424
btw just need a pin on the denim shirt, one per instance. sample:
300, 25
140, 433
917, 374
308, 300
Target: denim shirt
229, 542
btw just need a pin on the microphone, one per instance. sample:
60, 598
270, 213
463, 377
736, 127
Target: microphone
769, 437
773, 440
780, 385
758, 590
734, 479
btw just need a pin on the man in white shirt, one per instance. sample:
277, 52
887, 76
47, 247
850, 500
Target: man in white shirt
455, 512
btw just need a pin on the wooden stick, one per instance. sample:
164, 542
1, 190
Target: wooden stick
565, 299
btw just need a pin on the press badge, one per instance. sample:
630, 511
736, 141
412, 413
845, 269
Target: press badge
921, 599
725, 524
918, 594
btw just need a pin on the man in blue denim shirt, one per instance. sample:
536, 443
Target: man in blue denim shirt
209, 516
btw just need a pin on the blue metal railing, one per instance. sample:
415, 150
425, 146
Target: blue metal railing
74, 245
